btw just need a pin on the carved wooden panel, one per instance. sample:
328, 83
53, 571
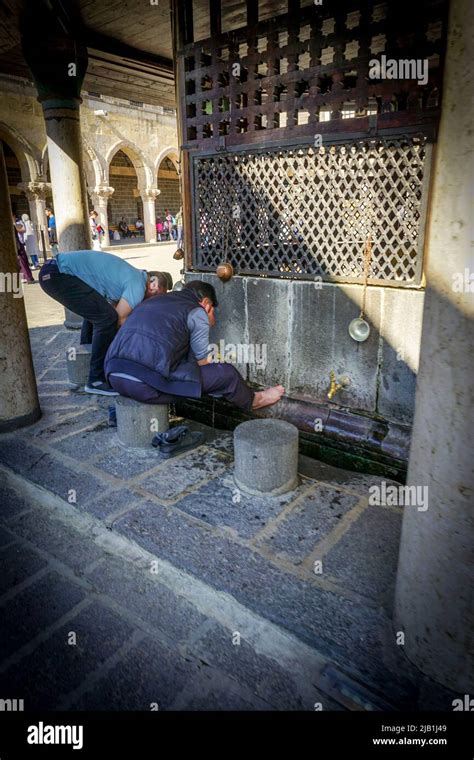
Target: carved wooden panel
308, 71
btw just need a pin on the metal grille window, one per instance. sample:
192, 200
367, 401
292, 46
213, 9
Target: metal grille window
307, 211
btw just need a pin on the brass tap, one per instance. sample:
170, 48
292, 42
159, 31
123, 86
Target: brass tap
335, 387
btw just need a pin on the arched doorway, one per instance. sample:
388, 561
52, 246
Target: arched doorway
126, 201
18, 201
168, 184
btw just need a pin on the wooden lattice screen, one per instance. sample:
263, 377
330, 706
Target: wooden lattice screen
258, 83
306, 211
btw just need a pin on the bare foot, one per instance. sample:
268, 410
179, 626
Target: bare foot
268, 397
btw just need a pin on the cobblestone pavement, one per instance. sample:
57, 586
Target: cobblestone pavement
132, 583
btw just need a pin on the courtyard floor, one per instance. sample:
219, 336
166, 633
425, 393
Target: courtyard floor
128, 582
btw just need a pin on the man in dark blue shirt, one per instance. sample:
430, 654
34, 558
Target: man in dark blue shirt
162, 353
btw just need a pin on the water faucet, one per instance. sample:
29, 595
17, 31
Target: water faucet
334, 386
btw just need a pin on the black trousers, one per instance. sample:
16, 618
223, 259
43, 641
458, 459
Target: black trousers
80, 298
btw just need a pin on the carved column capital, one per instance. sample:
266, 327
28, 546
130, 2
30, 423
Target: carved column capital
35, 190
101, 191
150, 193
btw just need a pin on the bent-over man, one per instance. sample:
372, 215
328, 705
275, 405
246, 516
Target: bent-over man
103, 289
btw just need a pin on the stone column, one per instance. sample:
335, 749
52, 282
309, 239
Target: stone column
434, 595
58, 63
100, 197
36, 195
149, 197
19, 403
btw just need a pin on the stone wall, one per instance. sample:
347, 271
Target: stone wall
125, 201
304, 327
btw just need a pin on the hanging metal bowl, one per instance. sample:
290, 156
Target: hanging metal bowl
359, 329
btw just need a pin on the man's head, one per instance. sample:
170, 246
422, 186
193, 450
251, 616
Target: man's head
207, 297
157, 284
93, 214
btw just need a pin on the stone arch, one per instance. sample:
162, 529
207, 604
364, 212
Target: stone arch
95, 168
167, 179
171, 153
28, 157
145, 171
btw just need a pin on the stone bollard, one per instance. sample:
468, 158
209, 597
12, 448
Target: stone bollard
78, 362
137, 423
266, 457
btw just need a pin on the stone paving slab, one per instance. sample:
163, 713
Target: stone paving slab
88, 444
371, 544
35, 608
110, 502
220, 503
58, 539
56, 667
177, 475
146, 598
12, 503
17, 564
125, 464
315, 516
148, 677
229, 652
47, 470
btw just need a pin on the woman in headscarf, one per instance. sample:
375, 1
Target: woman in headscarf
29, 238
25, 270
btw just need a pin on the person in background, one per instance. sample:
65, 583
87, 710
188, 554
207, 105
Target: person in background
22, 258
30, 241
159, 229
93, 224
168, 223
174, 229
123, 227
51, 227
139, 225
179, 226
103, 289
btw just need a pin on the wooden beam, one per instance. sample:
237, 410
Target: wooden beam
215, 17
252, 12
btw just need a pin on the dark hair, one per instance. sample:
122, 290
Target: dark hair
165, 281
202, 290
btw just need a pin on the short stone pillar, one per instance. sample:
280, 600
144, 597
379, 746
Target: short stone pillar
137, 423
78, 363
266, 457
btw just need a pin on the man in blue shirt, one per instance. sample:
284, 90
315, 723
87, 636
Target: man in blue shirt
103, 289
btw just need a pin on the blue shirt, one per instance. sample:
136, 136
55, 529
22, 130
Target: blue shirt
110, 275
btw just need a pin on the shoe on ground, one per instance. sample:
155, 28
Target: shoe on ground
100, 388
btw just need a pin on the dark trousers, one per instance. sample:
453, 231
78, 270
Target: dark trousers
220, 380
80, 298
